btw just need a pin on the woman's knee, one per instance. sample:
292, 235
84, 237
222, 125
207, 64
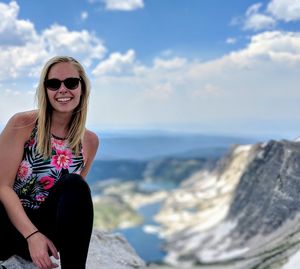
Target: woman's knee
74, 182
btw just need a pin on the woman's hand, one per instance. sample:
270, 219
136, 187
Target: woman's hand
39, 245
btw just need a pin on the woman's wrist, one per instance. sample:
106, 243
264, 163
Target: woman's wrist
28, 236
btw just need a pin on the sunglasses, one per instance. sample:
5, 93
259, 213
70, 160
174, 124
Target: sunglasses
54, 84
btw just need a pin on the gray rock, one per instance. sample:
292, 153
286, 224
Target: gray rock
261, 228
106, 251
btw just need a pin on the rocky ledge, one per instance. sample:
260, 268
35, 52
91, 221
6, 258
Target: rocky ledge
106, 251
245, 214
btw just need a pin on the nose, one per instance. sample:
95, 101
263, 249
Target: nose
62, 88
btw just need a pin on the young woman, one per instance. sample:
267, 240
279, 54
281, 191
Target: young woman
45, 203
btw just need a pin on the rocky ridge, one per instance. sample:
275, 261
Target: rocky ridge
244, 214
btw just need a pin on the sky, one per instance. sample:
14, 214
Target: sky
195, 66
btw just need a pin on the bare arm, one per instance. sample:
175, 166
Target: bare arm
12, 140
90, 147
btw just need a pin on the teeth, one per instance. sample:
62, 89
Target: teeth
63, 99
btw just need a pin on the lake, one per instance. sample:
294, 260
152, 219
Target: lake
147, 245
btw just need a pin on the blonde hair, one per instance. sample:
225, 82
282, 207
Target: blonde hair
78, 120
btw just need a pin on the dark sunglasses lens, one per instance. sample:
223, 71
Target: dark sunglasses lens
71, 83
53, 84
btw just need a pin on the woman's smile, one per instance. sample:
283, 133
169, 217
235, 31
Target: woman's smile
64, 100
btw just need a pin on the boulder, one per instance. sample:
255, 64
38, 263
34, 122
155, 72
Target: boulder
106, 251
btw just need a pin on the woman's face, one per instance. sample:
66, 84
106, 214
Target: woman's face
63, 99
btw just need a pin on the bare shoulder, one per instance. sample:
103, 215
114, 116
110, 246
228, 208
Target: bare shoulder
23, 119
90, 139
21, 123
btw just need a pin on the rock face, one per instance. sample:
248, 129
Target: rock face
204, 199
106, 251
255, 192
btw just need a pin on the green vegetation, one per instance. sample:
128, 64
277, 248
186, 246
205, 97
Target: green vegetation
174, 170
111, 212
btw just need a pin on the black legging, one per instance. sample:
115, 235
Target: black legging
66, 218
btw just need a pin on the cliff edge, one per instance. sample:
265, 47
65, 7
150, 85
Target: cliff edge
245, 214
106, 251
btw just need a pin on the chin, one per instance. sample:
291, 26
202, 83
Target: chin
65, 108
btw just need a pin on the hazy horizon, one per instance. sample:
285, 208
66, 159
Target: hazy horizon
194, 66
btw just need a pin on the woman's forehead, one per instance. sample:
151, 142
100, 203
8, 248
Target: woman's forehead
62, 70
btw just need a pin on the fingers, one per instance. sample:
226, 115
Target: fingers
44, 262
40, 255
53, 249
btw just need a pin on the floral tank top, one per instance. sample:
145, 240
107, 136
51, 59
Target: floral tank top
36, 176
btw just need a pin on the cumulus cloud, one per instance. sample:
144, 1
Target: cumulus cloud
286, 10
24, 51
273, 46
276, 10
258, 22
266, 48
12, 31
58, 40
255, 20
169, 63
240, 84
116, 63
123, 5
237, 85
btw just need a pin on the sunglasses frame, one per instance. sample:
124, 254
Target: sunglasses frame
60, 82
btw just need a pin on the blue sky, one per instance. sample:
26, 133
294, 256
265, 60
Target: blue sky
196, 66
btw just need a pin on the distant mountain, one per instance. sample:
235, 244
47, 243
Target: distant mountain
203, 152
145, 147
243, 214
163, 170
116, 169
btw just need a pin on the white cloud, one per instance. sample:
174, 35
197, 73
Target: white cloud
21, 60
267, 48
257, 81
24, 51
286, 10
160, 91
13, 101
253, 9
231, 40
117, 63
12, 31
254, 19
86, 46
274, 46
253, 82
84, 15
169, 63
207, 89
257, 21
124, 5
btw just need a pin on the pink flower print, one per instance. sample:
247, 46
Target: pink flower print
40, 198
31, 142
47, 182
24, 170
62, 159
58, 144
